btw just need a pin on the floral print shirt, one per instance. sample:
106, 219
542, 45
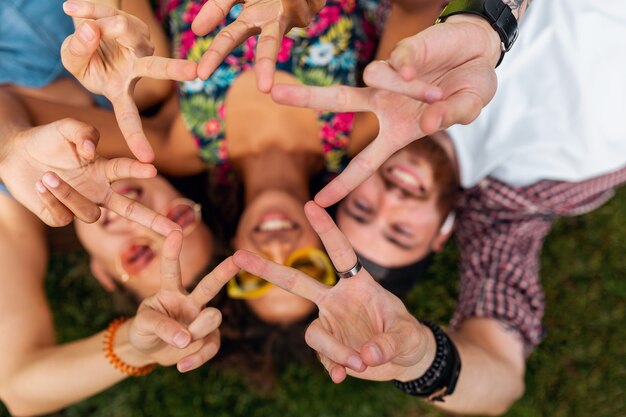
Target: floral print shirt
333, 49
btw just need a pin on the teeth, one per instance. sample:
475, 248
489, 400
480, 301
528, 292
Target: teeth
275, 225
404, 177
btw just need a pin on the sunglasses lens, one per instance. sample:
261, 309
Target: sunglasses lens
136, 257
183, 215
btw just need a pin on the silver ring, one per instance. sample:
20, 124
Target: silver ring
350, 272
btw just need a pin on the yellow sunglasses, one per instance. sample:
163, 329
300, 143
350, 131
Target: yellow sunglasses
313, 262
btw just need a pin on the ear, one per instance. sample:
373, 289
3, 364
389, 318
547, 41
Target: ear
102, 276
445, 231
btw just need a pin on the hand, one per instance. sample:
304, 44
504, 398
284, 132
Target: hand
81, 180
362, 329
428, 84
271, 18
174, 326
108, 55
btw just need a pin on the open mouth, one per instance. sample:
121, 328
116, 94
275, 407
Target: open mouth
405, 178
275, 221
136, 258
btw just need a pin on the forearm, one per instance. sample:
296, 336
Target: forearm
492, 369
13, 119
55, 377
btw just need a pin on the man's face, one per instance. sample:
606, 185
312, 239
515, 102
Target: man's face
274, 226
121, 248
392, 218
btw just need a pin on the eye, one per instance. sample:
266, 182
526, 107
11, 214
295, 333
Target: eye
402, 230
134, 193
362, 205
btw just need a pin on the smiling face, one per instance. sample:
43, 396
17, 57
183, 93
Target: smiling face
274, 226
129, 252
393, 218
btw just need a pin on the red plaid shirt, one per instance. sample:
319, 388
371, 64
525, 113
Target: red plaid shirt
500, 234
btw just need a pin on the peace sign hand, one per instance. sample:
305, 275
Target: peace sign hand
174, 326
362, 329
108, 54
271, 18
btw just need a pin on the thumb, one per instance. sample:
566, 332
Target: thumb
78, 49
381, 349
84, 136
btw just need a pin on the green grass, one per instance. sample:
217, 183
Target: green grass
579, 371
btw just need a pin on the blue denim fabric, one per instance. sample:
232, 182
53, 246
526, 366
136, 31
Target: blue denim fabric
4, 190
31, 34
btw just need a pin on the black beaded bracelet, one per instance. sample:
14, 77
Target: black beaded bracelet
441, 377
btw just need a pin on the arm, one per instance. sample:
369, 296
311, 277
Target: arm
366, 332
39, 376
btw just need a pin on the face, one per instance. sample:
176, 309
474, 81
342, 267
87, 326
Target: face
121, 248
392, 218
274, 225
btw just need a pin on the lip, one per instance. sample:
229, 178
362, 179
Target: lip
137, 257
405, 177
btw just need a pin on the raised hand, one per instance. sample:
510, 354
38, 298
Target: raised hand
362, 329
271, 18
109, 54
174, 326
429, 83
53, 171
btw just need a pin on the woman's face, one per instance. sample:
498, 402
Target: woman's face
393, 218
274, 226
121, 248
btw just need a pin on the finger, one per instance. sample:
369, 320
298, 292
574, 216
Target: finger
287, 278
161, 68
54, 213
121, 168
206, 322
223, 43
336, 372
381, 349
81, 207
380, 74
267, 48
150, 322
335, 98
211, 284
88, 10
135, 211
132, 33
208, 350
404, 59
170, 262
461, 108
129, 122
211, 14
327, 345
84, 136
78, 49
337, 245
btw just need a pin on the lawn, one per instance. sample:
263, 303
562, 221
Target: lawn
579, 371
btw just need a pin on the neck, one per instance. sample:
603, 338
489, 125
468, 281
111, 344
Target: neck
277, 169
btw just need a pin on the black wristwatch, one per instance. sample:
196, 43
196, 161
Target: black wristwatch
498, 14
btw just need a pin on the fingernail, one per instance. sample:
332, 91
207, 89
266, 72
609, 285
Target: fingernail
89, 148
376, 353
40, 187
86, 33
433, 94
355, 363
70, 7
184, 366
181, 339
51, 180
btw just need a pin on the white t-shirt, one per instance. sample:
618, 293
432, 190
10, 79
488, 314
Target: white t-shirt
560, 109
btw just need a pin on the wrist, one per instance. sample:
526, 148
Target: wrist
125, 351
490, 37
427, 349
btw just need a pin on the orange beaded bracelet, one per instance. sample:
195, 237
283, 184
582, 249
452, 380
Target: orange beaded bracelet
130, 370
